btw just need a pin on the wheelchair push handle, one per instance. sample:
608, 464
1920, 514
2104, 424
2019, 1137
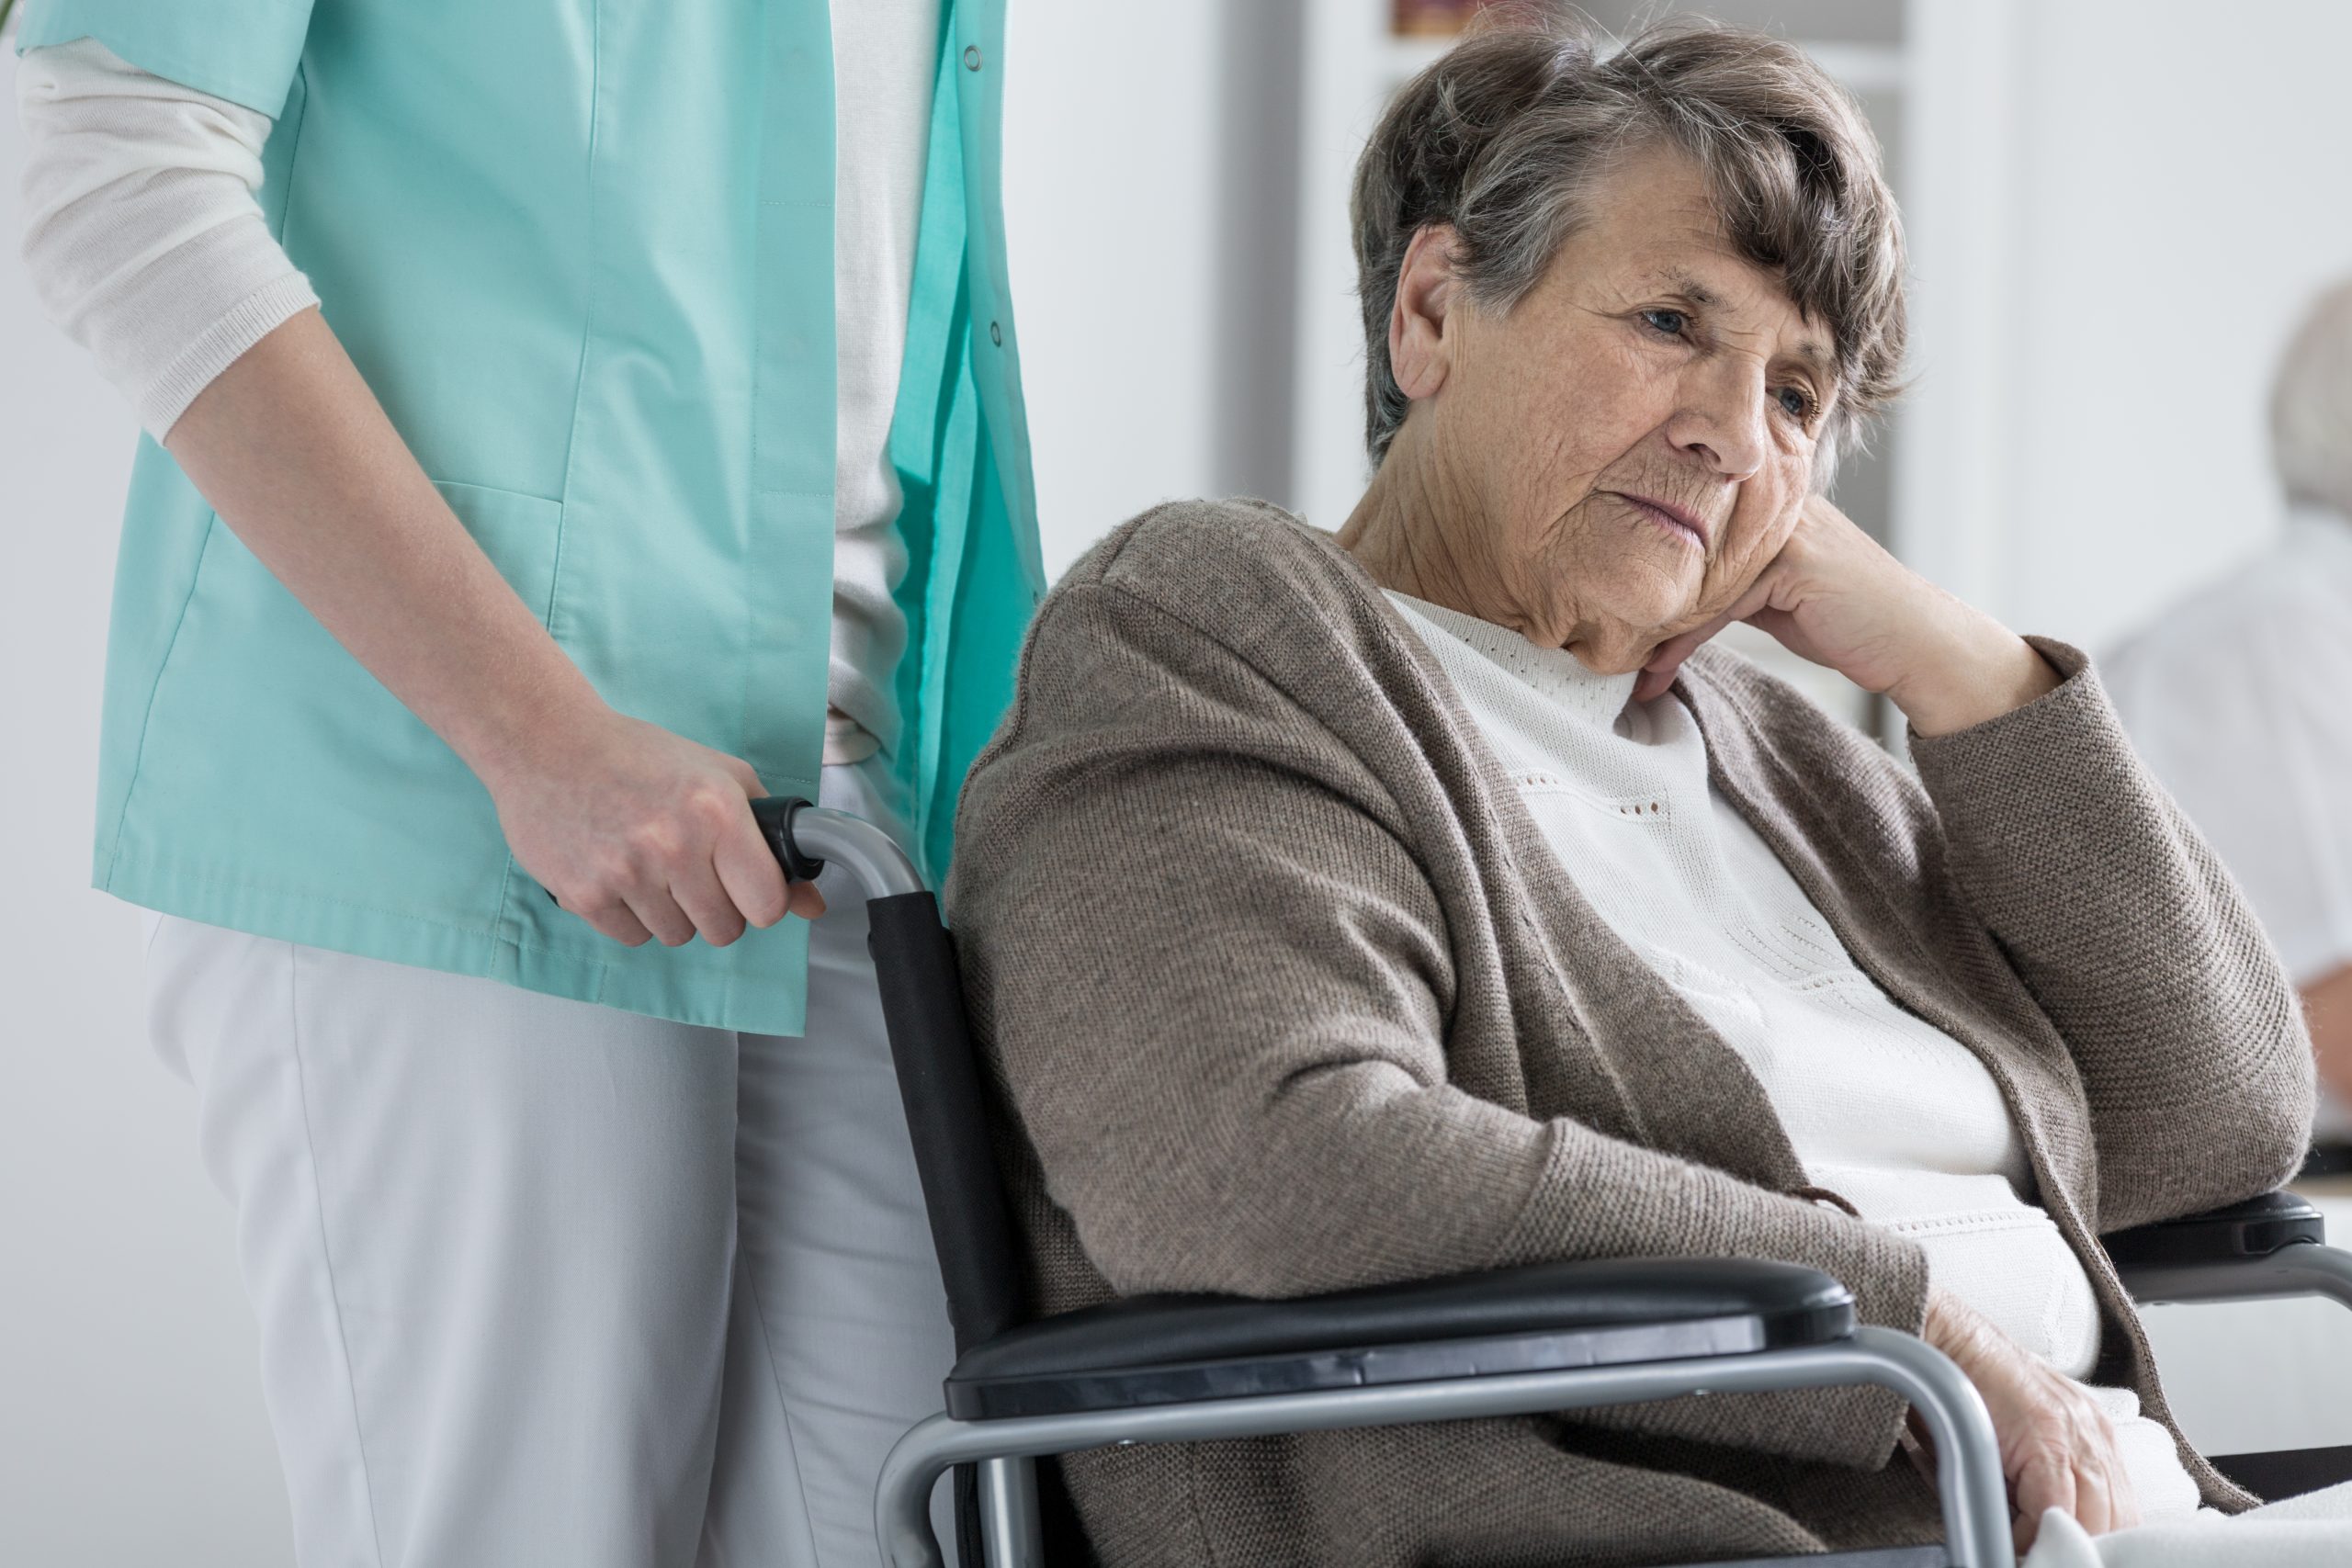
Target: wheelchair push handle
775, 814
806, 837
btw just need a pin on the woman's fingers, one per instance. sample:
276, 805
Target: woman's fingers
2122, 1503
2094, 1500
1659, 672
2043, 1478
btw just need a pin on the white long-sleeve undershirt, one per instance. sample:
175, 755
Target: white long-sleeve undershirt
144, 242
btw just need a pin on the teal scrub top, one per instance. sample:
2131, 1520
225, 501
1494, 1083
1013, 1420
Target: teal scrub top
582, 251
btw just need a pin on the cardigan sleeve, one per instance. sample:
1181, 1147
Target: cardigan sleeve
1217, 983
2134, 942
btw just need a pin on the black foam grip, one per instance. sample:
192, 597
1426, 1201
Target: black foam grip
939, 1083
774, 813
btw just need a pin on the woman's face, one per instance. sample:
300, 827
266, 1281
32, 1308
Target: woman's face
1616, 460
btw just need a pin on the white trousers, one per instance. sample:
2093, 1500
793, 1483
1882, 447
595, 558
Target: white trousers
542, 1282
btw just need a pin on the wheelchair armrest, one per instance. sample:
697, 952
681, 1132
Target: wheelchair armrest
2255, 1228
2270, 1246
1163, 1349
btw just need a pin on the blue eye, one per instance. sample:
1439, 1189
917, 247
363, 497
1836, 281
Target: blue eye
1670, 323
1795, 404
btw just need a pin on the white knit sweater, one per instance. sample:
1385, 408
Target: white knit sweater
1891, 1113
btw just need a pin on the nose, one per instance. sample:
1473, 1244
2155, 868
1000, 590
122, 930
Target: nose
1721, 421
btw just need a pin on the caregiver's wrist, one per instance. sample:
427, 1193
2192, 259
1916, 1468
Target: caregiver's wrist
532, 728
1966, 669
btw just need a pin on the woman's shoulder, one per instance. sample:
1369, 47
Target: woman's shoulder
1204, 640
1183, 548
1260, 579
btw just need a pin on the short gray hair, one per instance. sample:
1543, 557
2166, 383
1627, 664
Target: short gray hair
2311, 405
1502, 137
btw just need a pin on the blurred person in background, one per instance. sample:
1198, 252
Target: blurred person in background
561, 436
2240, 697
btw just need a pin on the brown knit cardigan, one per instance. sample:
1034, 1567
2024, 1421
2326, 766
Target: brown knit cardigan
1284, 992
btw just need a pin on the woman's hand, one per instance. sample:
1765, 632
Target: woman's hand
643, 833
2057, 1445
1833, 595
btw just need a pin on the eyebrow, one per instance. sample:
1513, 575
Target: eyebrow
1675, 279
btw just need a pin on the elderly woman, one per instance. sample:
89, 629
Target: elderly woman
1430, 898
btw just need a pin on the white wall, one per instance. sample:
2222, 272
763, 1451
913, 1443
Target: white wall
1110, 136
130, 1422
2120, 208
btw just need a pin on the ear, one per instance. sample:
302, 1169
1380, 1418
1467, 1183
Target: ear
1419, 350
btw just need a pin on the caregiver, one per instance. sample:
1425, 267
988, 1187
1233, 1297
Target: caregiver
563, 441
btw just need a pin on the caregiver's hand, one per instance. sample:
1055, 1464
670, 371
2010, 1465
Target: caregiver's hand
2057, 1447
642, 833
1834, 597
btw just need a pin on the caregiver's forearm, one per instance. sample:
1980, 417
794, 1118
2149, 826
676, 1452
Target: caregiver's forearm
294, 453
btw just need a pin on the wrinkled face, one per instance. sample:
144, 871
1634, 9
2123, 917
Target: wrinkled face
1620, 456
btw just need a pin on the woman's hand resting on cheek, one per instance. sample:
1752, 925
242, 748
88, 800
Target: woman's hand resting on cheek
2058, 1448
1833, 595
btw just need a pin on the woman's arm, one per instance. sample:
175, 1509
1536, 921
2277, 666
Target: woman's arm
1218, 987
146, 245
2137, 945
2132, 938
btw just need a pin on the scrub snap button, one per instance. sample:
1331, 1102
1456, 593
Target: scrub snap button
996, 334
971, 57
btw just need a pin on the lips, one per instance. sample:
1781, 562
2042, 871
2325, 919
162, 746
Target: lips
1675, 519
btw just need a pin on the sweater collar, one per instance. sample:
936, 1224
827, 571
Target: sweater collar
1552, 673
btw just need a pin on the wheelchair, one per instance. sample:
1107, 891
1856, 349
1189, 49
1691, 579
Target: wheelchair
1545, 1338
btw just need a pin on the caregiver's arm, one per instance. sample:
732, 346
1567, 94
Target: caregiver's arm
145, 244
635, 828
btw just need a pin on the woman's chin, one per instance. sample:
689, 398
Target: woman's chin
1615, 653
1628, 640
